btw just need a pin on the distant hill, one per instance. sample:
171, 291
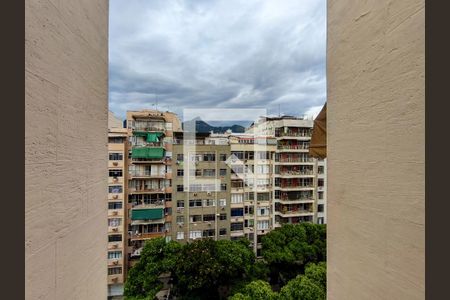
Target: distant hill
203, 127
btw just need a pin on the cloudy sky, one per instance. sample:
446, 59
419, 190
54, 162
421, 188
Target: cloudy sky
217, 54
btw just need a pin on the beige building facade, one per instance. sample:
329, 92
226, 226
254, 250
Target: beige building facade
376, 149
117, 179
149, 172
66, 112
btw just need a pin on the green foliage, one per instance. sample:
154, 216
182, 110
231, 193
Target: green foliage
255, 290
157, 257
311, 286
289, 248
205, 265
208, 269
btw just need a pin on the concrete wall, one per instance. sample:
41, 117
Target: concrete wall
376, 136
66, 71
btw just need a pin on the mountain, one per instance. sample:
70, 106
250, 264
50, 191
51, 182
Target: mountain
203, 127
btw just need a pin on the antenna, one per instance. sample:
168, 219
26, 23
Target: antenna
279, 112
156, 99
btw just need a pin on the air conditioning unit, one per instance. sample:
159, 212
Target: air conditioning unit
115, 229
195, 194
116, 262
222, 208
208, 193
115, 179
115, 213
115, 279
115, 163
115, 246
115, 196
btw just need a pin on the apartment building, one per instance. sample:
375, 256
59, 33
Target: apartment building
201, 188
149, 171
251, 202
117, 136
298, 186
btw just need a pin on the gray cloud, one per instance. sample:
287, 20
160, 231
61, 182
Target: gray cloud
227, 54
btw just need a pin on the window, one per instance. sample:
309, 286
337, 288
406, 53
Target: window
223, 217
115, 173
249, 210
262, 211
320, 182
114, 222
223, 186
262, 169
114, 205
222, 231
115, 156
195, 172
263, 196
320, 169
180, 188
237, 198
223, 172
180, 203
209, 202
180, 172
114, 254
115, 189
180, 219
115, 238
209, 157
209, 232
209, 218
249, 196
222, 202
262, 224
320, 207
222, 157
116, 140
320, 220
209, 172
114, 271
238, 154
180, 235
195, 218
180, 157
237, 212
236, 226
195, 203
320, 195
195, 234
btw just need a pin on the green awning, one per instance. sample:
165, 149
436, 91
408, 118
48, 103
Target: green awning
151, 137
147, 152
147, 214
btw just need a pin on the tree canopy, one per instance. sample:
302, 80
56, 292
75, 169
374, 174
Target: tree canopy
289, 248
293, 258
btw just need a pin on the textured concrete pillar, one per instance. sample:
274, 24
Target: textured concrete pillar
376, 149
66, 148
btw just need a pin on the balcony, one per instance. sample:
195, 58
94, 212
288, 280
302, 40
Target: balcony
288, 187
293, 147
294, 213
146, 175
147, 235
146, 190
294, 173
140, 205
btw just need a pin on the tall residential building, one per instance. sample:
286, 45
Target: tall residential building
149, 171
117, 235
298, 184
252, 183
201, 188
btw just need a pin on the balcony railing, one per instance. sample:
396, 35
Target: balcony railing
294, 160
148, 235
156, 204
293, 147
146, 174
292, 172
293, 134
